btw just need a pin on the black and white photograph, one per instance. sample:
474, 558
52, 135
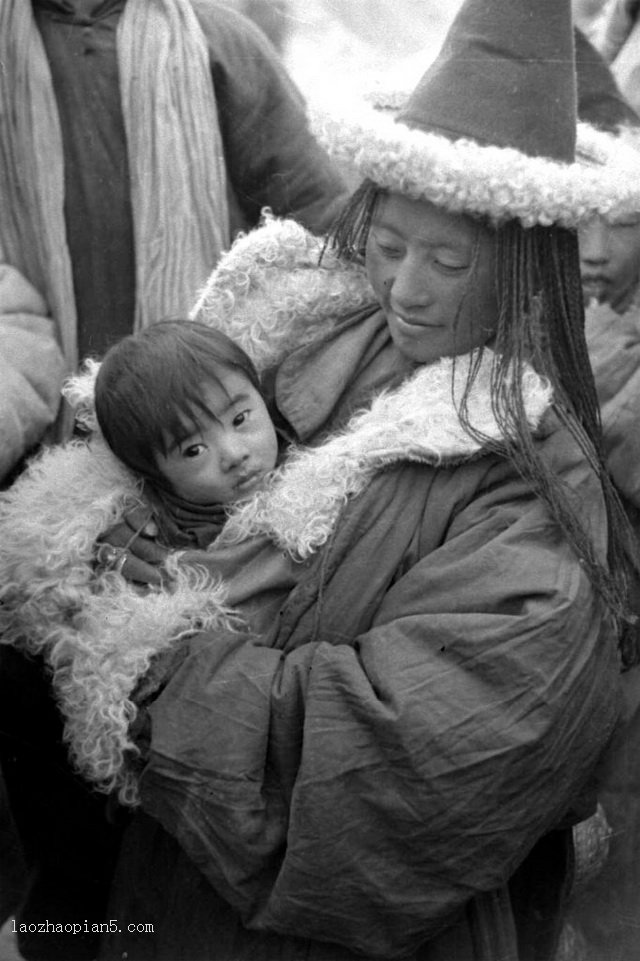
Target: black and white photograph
319, 480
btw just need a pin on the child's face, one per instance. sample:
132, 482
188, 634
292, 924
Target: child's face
610, 261
227, 460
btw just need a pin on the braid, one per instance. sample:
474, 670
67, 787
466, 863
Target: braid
541, 322
349, 233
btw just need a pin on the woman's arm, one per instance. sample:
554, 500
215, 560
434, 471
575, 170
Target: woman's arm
362, 788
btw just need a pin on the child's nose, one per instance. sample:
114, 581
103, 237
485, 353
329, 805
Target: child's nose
233, 452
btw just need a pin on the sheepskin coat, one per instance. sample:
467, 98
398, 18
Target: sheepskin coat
435, 693
432, 699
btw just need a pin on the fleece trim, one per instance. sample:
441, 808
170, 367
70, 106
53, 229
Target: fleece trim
418, 421
466, 177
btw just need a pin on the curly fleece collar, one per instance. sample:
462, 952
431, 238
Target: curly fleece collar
99, 636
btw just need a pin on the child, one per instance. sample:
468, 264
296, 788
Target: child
180, 405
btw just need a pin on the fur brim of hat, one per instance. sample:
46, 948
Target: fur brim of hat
466, 177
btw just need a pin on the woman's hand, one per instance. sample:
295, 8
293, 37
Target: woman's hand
130, 548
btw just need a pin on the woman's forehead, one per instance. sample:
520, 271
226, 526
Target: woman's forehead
422, 220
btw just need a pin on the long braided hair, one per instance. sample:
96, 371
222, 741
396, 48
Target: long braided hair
540, 324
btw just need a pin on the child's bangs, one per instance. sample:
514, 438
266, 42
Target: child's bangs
185, 410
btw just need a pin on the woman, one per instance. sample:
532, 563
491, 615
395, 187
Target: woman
395, 769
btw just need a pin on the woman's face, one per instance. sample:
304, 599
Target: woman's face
433, 274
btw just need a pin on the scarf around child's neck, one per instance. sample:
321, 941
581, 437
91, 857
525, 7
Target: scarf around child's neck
183, 523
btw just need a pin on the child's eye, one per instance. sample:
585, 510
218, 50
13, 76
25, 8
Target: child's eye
193, 450
240, 418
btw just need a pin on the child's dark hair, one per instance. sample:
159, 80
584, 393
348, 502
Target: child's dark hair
149, 387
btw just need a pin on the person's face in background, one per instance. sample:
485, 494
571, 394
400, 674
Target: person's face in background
610, 261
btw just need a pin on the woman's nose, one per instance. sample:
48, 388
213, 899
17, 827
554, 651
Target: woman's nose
594, 243
408, 287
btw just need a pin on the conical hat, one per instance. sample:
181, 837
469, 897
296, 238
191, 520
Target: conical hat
504, 77
491, 127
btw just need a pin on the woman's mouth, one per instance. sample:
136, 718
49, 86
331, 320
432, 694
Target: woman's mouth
404, 321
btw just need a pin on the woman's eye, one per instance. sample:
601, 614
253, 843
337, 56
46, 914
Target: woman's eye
388, 250
450, 266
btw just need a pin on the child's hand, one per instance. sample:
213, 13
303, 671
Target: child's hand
130, 548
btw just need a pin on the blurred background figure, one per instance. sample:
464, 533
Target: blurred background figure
605, 903
609, 252
589, 16
272, 16
619, 43
610, 262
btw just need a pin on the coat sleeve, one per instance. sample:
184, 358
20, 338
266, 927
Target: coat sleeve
362, 789
31, 368
272, 158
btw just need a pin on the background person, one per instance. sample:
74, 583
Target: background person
609, 251
619, 43
604, 906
